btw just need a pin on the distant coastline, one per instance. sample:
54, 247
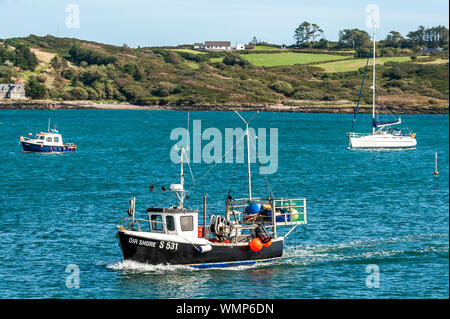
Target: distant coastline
312, 107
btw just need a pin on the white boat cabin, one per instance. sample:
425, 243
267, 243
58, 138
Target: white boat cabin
173, 221
52, 138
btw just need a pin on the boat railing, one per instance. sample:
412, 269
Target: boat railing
130, 223
353, 134
24, 138
286, 211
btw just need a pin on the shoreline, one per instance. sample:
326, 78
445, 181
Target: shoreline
314, 107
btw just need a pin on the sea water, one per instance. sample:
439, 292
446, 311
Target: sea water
377, 220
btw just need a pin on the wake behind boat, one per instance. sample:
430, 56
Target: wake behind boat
247, 234
383, 136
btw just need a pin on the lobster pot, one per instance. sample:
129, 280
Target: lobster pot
262, 234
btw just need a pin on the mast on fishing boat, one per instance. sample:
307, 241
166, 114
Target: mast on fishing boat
247, 133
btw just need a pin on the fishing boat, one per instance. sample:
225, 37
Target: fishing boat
246, 234
383, 135
45, 142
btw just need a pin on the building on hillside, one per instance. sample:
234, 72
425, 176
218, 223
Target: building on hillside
12, 91
249, 47
430, 51
240, 47
200, 46
218, 45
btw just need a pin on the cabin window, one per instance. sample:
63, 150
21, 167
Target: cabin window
56, 139
187, 223
156, 222
170, 221
48, 139
41, 137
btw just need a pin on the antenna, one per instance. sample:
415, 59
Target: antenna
247, 133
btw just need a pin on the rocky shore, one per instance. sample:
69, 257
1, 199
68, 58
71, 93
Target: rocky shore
313, 107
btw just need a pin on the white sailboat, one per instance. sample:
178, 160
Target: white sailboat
383, 135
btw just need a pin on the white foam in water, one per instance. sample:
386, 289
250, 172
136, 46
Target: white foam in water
134, 266
137, 267
358, 249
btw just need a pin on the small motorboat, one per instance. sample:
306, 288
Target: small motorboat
45, 142
245, 235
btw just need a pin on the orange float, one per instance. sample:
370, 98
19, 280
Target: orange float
268, 243
256, 245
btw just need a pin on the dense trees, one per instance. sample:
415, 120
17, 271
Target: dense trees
354, 38
307, 34
21, 57
90, 56
34, 89
431, 37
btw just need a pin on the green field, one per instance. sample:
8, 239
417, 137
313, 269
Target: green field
355, 64
220, 59
280, 59
264, 48
187, 51
192, 64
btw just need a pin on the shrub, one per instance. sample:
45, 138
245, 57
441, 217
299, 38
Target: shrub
79, 93
282, 87
163, 89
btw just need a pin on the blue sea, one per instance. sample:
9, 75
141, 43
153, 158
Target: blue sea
378, 221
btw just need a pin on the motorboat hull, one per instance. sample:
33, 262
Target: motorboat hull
382, 141
31, 147
155, 251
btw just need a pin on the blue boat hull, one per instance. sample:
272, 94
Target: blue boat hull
30, 147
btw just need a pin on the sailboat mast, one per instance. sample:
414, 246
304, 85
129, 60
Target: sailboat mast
373, 82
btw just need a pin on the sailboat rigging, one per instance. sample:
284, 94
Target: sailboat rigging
383, 136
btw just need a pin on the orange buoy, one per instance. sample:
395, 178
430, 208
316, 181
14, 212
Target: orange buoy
256, 245
268, 243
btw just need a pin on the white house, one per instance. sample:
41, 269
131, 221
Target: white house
240, 46
12, 91
218, 45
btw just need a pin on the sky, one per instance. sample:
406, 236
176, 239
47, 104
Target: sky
174, 22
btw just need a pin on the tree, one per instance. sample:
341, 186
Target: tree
417, 37
25, 59
34, 89
394, 39
315, 31
354, 38
306, 34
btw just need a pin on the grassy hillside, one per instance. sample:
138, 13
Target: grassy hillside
72, 69
355, 64
289, 58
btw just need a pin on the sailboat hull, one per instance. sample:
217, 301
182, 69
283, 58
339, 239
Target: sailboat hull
380, 141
